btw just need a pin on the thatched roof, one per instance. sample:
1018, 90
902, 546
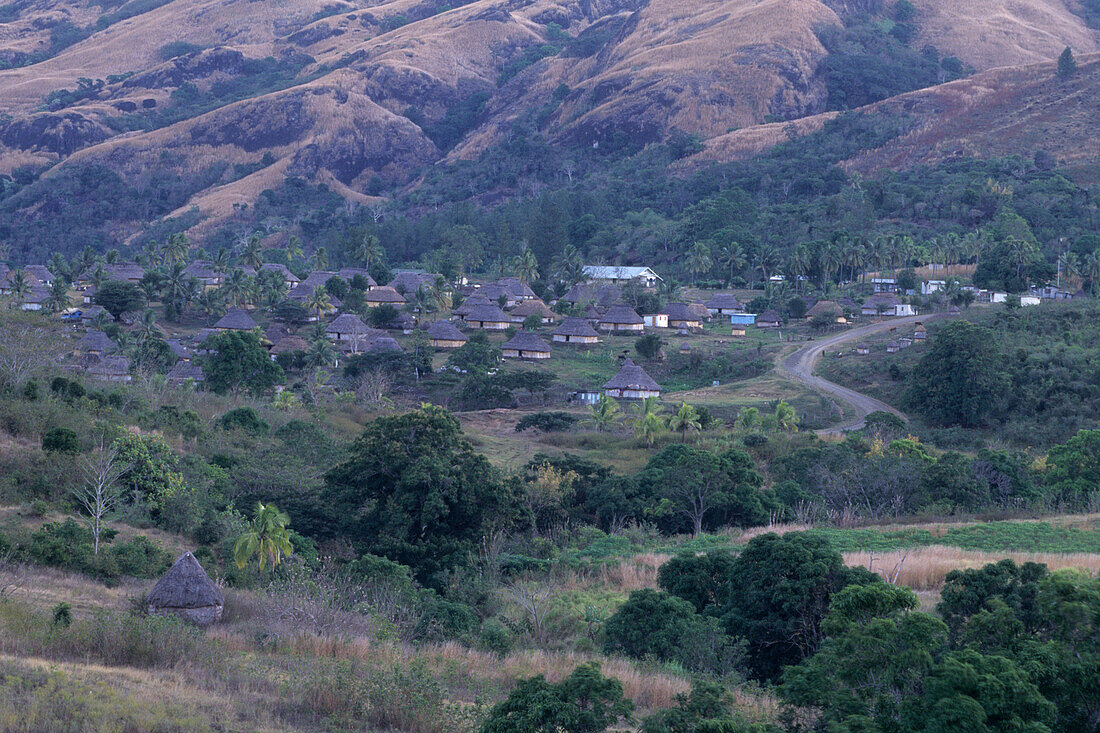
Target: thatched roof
316, 279
603, 294
96, 341
409, 281
444, 331
110, 366
886, 299
41, 272
724, 301
123, 271
349, 274
487, 314
290, 344
632, 377
384, 294
201, 269
680, 312
383, 343
349, 323
185, 585
533, 307
526, 341
826, 307
573, 326
236, 320
769, 316
516, 288
621, 313
184, 370
467, 305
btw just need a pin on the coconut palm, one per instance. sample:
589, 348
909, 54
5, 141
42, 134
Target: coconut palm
785, 417
648, 423
210, 302
252, 252
684, 419
733, 257
294, 249
271, 287
320, 258
285, 400
526, 266
147, 327
18, 287
798, 264
439, 294
1090, 270
605, 413
221, 260
1068, 265
321, 354
266, 540
319, 302
569, 267
60, 268
699, 260
236, 288
369, 251
58, 299
175, 249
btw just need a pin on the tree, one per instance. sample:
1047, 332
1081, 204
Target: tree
415, 491
784, 587
118, 297
699, 260
266, 539
100, 491
58, 299
705, 581
150, 468
477, 356
706, 709
684, 419
526, 266
785, 417
648, 346
238, 361
1067, 65
60, 440
1073, 470
605, 413
19, 287
648, 424
960, 380
584, 702
547, 490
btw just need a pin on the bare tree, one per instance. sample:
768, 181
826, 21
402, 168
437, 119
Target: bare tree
373, 386
376, 213
534, 598
569, 168
25, 352
100, 491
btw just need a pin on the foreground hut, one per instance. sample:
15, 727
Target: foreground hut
724, 304
188, 592
575, 330
632, 383
526, 345
445, 335
620, 317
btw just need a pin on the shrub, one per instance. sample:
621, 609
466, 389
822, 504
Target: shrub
141, 558
546, 422
245, 419
60, 440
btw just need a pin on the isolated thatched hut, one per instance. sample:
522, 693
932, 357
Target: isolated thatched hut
188, 592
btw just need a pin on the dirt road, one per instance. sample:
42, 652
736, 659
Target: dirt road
800, 367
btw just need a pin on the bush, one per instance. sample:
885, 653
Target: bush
546, 422
61, 440
245, 419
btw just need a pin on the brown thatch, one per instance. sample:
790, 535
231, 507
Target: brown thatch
236, 320
184, 370
486, 314
575, 327
524, 343
445, 331
383, 294
95, 342
533, 307
188, 592
290, 344
724, 303
680, 313
621, 314
632, 378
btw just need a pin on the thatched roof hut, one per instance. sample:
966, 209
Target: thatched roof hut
236, 320
445, 335
680, 315
188, 592
488, 317
526, 345
575, 330
383, 295
532, 307
722, 304
620, 317
632, 383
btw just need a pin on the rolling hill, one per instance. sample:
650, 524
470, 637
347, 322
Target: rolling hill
228, 98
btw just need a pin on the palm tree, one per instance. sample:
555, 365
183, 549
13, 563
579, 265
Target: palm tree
1068, 265
831, 260
685, 419
236, 288
271, 287
798, 264
58, 299
266, 539
748, 419
605, 412
439, 294
221, 260
732, 256
699, 260
648, 424
294, 249
285, 400
319, 302
320, 258
178, 287
526, 266
569, 267
175, 249
785, 417
252, 252
1090, 269
18, 287
210, 302
321, 354
369, 251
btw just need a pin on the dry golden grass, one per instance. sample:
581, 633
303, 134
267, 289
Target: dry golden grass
924, 568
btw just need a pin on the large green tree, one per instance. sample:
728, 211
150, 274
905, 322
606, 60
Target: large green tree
961, 379
584, 702
237, 360
118, 297
414, 490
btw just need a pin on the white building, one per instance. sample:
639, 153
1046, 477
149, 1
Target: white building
621, 274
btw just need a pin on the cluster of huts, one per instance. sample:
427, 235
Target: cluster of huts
920, 334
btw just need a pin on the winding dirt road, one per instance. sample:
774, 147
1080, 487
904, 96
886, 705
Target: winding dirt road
800, 364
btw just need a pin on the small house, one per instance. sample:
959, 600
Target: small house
737, 330
927, 287
619, 274
184, 371
130, 272
350, 273
884, 284
632, 383
863, 349
289, 278
532, 307
349, 327
602, 294
188, 592
235, 320
724, 304
289, 345
96, 343
406, 322
575, 330
205, 272
905, 342
384, 295
827, 308
111, 369
516, 289
409, 281
622, 318
445, 335
35, 300
460, 311
41, 272
525, 345
743, 319
487, 317
920, 333
655, 320
769, 319
681, 316
700, 311
383, 343
893, 347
